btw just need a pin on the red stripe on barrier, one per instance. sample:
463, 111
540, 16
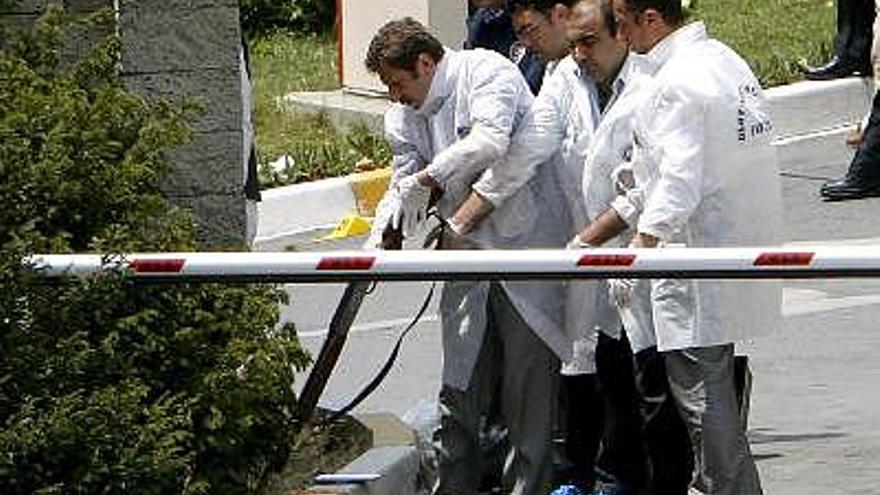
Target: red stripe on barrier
158, 266
784, 259
607, 260
347, 263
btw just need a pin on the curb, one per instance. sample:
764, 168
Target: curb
344, 108
394, 457
292, 211
812, 120
368, 189
398, 467
811, 117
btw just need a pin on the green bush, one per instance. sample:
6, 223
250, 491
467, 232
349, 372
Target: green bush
107, 386
312, 16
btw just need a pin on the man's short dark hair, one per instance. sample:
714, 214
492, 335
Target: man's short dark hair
399, 43
607, 12
670, 9
542, 6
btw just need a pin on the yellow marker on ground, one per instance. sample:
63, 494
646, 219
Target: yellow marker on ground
351, 225
367, 189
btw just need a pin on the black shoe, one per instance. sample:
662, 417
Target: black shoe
836, 69
844, 189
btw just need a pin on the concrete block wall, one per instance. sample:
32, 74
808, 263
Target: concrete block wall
21, 15
177, 50
185, 49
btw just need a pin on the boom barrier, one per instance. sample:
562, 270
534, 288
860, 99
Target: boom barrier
348, 266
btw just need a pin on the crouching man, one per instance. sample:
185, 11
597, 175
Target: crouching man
453, 118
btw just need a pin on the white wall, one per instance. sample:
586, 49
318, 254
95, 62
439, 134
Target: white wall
362, 18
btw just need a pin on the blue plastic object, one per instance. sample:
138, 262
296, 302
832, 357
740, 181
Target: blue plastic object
567, 490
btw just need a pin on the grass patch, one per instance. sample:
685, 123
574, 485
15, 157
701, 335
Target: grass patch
285, 62
773, 35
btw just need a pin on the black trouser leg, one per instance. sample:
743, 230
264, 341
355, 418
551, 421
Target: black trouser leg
855, 19
584, 417
668, 443
623, 449
865, 166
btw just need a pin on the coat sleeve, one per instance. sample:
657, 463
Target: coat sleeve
676, 136
538, 137
408, 157
407, 144
496, 92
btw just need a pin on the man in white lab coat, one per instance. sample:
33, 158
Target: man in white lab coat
453, 117
605, 180
597, 383
707, 177
556, 138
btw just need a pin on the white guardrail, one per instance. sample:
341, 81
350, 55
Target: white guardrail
342, 266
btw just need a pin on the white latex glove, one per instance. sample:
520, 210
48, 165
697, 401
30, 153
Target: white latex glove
413, 208
385, 211
620, 290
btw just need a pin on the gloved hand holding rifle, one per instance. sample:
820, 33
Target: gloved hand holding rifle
405, 207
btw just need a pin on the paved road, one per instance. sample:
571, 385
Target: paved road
815, 422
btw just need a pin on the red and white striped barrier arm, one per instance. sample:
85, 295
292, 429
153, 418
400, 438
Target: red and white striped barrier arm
340, 266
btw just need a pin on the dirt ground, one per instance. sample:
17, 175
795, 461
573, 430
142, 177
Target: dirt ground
321, 449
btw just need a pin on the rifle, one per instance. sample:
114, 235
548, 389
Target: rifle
340, 324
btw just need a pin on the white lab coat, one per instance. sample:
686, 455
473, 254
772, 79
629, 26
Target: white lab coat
612, 148
709, 172
476, 102
555, 139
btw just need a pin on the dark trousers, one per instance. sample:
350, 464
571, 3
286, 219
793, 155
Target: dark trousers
622, 454
668, 444
855, 19
584, 416
865, 165
602, 421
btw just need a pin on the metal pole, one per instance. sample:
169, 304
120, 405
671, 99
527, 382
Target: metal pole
339, 266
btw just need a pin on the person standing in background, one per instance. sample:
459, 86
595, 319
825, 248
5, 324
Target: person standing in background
862, 179
852, 45
489, 26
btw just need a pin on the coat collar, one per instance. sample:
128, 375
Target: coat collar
675, 41
442, 85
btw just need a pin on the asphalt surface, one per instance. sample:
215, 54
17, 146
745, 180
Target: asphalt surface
815, 415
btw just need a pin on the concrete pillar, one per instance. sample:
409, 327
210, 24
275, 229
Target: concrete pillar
180, 49
177, 50
361, 19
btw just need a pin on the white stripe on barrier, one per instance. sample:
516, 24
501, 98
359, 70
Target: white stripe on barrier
489, 264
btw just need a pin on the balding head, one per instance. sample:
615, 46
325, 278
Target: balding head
591, 34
